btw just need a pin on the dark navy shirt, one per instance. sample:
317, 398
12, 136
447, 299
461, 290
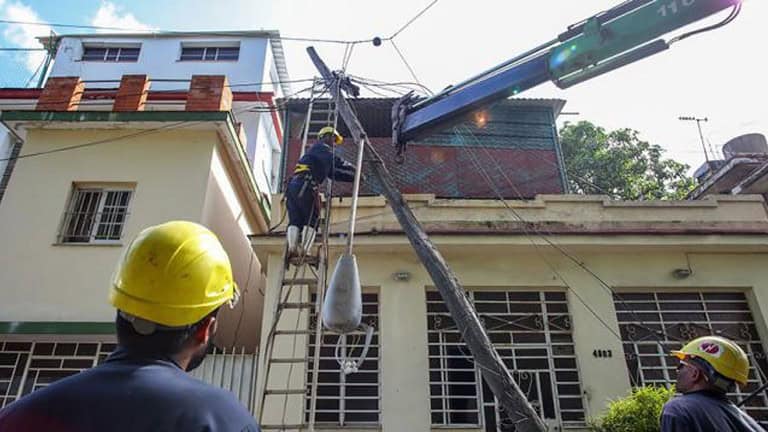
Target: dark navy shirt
323, 164
128, 393
705, 412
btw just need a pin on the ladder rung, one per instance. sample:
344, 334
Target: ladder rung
288, 360
299, 282
285, 391
281, 427
296, 305
293, 332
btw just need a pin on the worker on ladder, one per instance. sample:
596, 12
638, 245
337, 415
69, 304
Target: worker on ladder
302, 195
168, 288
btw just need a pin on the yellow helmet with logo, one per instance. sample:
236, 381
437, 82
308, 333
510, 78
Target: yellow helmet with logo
173, 274
338, 139
727, 358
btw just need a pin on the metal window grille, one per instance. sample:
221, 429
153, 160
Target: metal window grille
231, 369
532, 333
346, 400
95, 215
26, 366
111, 54
209, 53
29, 366
654, 323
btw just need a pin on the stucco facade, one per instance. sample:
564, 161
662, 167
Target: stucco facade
637, 249
198, 173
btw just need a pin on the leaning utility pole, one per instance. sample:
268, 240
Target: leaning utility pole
512, 401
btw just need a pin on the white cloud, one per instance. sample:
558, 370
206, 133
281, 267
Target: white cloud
110, 15
25, 36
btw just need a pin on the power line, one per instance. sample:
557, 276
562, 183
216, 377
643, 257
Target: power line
405, 26
410, 69
22, 49
178, 32
39, 67
559, 248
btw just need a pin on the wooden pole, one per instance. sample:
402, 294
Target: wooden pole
512, 401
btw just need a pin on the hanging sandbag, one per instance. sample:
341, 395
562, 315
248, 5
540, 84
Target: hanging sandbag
343, 304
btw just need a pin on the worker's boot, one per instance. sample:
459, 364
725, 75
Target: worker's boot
292, 235
307, 239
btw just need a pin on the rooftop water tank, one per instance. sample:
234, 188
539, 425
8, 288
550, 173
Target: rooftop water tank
754, 143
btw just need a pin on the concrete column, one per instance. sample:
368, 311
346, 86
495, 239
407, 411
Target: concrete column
404, 357
602, 378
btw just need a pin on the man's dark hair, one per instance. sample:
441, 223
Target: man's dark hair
163, 342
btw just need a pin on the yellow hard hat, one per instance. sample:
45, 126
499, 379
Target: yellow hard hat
330, 130
173, 274
727, 358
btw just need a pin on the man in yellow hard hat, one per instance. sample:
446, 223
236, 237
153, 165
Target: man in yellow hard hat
301, 196
167, 289
709, 367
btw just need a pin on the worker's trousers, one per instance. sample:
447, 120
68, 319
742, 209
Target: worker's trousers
302, 201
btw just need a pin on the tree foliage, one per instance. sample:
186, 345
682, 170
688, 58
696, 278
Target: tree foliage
638, 412
618, 163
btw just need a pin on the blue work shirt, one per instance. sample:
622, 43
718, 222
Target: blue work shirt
324, 164
704, 411
128, 393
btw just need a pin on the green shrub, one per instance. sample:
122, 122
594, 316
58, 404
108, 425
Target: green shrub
638, 412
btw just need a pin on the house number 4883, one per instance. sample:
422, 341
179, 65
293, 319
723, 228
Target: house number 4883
601, 353
674, 6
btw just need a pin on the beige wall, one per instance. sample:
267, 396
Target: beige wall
42, 281
509, 262
223, 213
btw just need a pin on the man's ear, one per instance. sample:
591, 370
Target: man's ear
206, 330
701, 375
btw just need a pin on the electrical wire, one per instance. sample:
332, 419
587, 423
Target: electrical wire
559, 248
406, 25
181, 33
34, 74
402, 87
407, 65
541, 254
22, 49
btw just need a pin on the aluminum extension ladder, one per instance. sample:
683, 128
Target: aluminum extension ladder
283, 393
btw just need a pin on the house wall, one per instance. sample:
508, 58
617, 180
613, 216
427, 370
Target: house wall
159, 58
629, 263
45, 281
516, 146
224, 214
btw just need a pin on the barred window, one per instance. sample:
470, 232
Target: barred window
29, 366
111, 54
346, 400
95, 215
196, 53
531, 331
654, 323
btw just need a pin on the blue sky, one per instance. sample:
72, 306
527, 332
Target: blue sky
712, 75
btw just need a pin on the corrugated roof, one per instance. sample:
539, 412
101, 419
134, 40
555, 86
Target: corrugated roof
375, 112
